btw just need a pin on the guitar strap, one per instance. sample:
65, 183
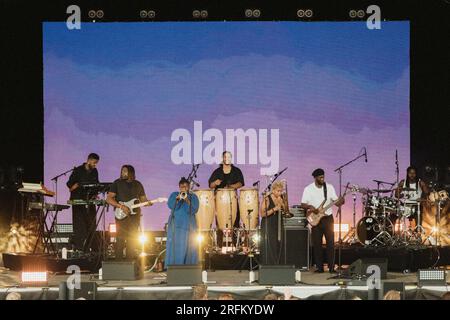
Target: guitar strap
325, 190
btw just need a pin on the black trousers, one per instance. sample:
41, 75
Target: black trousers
127, 237
324, 228
83, 221
233, 239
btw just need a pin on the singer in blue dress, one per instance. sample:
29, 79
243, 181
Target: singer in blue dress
182, 247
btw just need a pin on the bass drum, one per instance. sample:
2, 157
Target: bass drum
249, 202
206, 208
368, 228
226, 208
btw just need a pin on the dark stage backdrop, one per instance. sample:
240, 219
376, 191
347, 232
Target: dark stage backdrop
22, 101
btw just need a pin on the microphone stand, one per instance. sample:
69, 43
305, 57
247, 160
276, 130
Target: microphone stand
55, 179
339, 214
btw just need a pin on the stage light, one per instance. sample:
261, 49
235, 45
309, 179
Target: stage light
92, 14
344, 227
112, 228
32, 278
352, 14
256, 13
309, 13
248, 13
151, 14
431, 277
143, 14
142, 238
360, 13
256, 238
200, 238
100, 14
196, 14
300, 13
204, 14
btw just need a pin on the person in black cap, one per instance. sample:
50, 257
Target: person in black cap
313, 196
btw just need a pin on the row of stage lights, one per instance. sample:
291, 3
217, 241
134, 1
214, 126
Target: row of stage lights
248, 13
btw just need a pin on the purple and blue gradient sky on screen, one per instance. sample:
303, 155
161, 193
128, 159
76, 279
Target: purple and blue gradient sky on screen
120, 89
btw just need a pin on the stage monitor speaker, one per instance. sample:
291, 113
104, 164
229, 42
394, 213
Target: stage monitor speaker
121, 270
277, 274
296, 247
359, 267
184, 275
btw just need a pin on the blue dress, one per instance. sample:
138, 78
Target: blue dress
181, 231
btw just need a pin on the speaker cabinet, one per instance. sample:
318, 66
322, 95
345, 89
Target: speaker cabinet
121, 270
296, 247
184, 275
359, 267
277, 274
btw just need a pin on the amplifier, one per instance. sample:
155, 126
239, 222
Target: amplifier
296, 247
121, 270
184, 275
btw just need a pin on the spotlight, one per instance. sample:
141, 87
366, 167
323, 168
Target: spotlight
34, 278
200, 238
112, 228
300, 13
360, 14
256, 238
431, 277
196, 14
143, 14
142, 238
100, 14
204, 14
256, 13
309, 13
151, 14
352, 14
92, 14
248, 13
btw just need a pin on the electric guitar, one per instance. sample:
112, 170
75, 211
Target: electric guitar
314, 218
133, 204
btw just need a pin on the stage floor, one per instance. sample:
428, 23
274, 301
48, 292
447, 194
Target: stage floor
152, 286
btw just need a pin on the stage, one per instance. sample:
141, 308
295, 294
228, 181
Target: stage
312, 286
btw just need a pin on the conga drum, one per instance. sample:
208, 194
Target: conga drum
249, 207
206, 208
226, 208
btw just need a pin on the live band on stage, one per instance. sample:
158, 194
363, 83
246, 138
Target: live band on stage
229, 217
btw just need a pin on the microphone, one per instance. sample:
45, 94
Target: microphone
365, 154
256, 183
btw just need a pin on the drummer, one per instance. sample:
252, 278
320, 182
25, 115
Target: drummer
230, 177
412, 189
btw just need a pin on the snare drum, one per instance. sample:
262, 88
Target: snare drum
205, 213
226, 208
249, 207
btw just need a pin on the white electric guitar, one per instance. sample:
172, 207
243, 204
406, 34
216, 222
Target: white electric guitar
133, 204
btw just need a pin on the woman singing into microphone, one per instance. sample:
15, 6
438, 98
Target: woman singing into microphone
271, 208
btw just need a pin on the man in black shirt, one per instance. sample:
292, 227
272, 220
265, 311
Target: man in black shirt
227, 176
123, 190
83, 217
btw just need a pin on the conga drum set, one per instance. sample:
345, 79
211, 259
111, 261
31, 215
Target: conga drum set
218, 212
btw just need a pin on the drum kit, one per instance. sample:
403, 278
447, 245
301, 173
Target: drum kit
384, 220
218, 211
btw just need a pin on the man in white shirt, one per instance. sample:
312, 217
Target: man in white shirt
313, 196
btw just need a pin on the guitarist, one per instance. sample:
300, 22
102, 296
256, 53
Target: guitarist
313, 196
125, 189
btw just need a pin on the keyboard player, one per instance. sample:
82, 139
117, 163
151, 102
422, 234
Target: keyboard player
83, 216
